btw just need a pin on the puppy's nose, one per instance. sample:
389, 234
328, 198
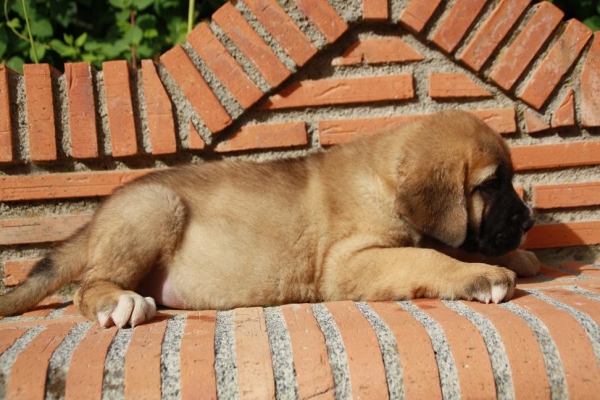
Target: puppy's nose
527, 225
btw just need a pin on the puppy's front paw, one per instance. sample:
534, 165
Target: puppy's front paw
130, 309
494, 284
524, 263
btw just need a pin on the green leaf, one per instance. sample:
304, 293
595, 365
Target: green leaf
134, 35
68, 39
16, 64
14, 23
593, 22
40, 50
80, 41
3, 42
120, 4
146, 21
150, 34
41, 28
62, 49
142, 4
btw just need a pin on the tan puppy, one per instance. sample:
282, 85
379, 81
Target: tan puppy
368, 220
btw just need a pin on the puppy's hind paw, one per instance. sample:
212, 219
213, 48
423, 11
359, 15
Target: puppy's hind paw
130, 309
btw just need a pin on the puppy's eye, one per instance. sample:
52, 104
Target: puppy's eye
489, 185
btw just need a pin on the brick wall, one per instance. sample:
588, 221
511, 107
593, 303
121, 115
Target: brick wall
268, 79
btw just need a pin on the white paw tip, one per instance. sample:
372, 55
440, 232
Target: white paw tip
498, 293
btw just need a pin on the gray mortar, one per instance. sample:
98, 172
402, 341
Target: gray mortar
305, 25
495, 347
225, 357
583, 292
349, 10
397, 8
102, 114
17, 86
389, 352
170, 367
589, 325
552, 361
335, 351
286, 385
142, 134
184, 111
266, 36
56, 377
443, 355
113, 384
61, 115
42, 208
244, 62
227, 100
7, 359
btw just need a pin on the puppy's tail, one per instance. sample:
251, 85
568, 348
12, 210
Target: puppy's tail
63, 265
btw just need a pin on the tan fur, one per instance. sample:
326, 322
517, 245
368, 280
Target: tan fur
349, 223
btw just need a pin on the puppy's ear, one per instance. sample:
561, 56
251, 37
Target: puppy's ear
432, 197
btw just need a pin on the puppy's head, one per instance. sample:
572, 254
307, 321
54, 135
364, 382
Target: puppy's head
456, 185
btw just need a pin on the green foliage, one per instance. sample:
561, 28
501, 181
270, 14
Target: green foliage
97, 31
94, 31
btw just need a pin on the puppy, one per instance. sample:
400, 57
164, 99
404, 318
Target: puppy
426, 210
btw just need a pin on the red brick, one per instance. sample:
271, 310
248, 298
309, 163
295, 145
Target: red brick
251, 44
325, 18
43, 308
311, 363
159, 110
565, 113
555, 65
491, 33
224, 66
327, 92
559, 155
6, 136
375, 10
453, 85
265, 136
65, 185
563, 235
418, 13
82, 110
378, 51
502, 120
468, 350
525, 359
15, 271
419, 367
40, 112
195, 89
456, 24
283, 29
590, 85
142, 361
197, 356
8, 337
513, 62
566, 195
253, 354
367, 374
195, 141
40, 230
28, 374
534, 124
86, 370
119, 104
582, 269
576, 353
577, 301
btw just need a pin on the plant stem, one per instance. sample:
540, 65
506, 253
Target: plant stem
191, 9
35, 57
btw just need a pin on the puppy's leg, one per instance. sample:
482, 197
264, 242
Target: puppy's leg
408, 273
134, 232
524, 263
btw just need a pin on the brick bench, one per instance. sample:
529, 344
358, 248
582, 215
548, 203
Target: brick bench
544, 343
